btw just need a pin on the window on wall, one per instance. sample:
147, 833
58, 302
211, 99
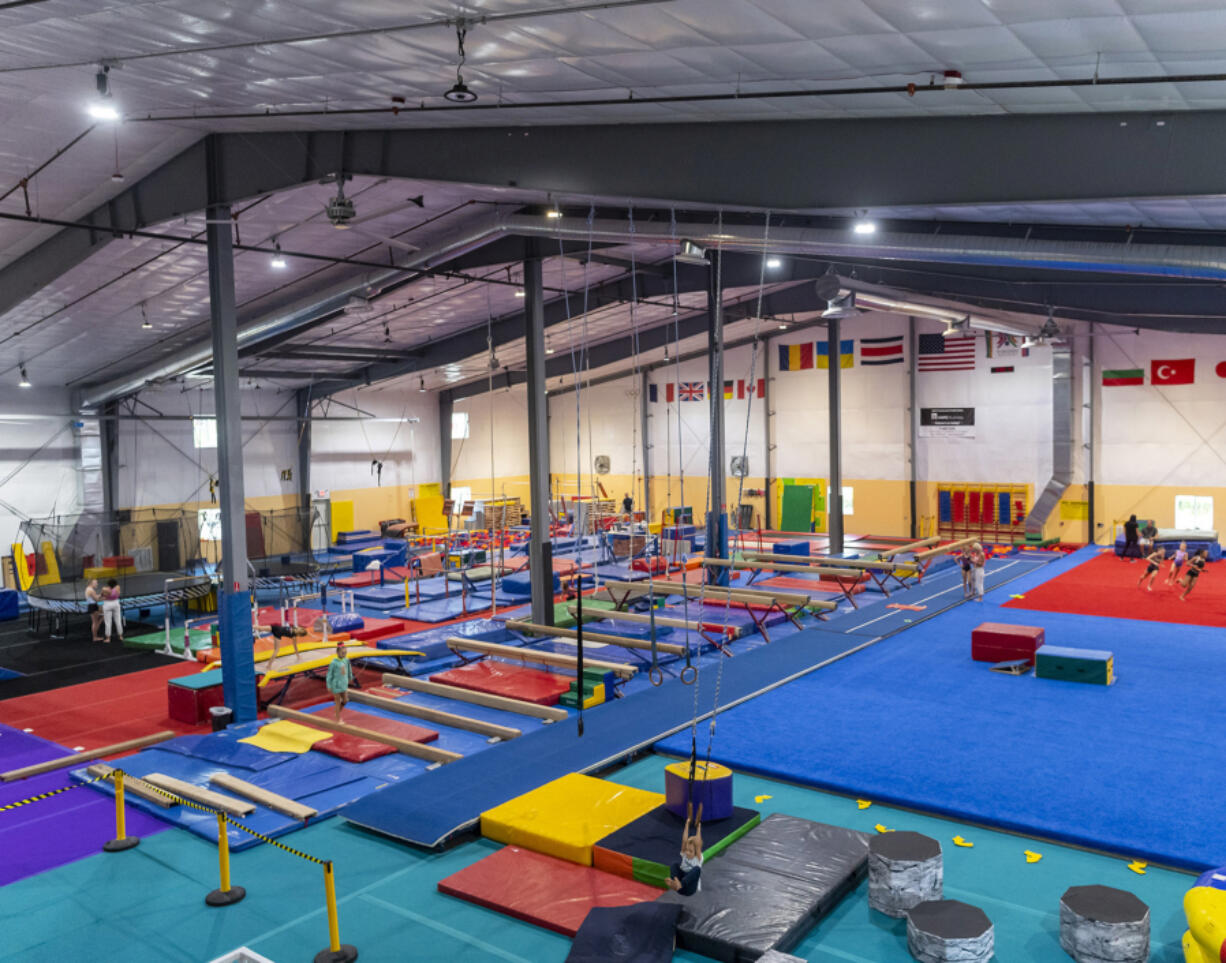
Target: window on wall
459, 425
849, 500
1194, 512
209, 520
204, 432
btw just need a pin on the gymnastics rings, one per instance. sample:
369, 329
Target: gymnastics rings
693, 675
656, 675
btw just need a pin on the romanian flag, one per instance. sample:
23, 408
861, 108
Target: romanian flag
1123, 376
744, 388
847, 353
795, 357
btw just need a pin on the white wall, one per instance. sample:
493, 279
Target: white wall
505, 416
35, 483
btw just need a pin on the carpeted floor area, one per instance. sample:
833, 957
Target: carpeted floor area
1106, 585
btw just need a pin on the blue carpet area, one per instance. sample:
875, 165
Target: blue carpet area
441, 802
1131, 769
9, 673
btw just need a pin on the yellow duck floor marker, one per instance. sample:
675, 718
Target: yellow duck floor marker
863, 803
1017, 596
1032, 857
959, 841
762, 799
1138, 867
882, 829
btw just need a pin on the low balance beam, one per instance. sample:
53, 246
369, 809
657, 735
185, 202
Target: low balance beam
716, 593
229, 805
779, 567
456, 694
405, 746
544, 658
946, 549
645, 618
434, 715
274, 801
556, 632
64, 762
137, 787
860, 563
909, 547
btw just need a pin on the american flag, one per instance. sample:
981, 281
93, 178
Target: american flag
939, 353
691, 391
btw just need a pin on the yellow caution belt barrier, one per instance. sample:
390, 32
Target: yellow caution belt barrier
47, 795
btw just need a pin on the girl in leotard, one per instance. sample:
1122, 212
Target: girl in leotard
1181, 556
1196, 565
965, 563
1151, 570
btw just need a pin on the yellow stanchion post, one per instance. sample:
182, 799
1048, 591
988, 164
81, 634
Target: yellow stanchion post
225, 894
337, 952
122, 840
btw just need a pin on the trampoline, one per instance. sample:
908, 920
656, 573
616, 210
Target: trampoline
139, 590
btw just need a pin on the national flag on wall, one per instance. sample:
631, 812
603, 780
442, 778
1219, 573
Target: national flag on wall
691, 390
1114, 377
744, 388
1003, 369
1178, 372
847, 353
1003, 345
728, 389
1220, 370
652, 394
939, 353
669, 393
795, 357
881, 350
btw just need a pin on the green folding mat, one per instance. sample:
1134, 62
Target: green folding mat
796, 513
200, 639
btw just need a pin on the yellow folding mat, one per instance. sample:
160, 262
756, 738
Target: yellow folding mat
564, 818
286, 736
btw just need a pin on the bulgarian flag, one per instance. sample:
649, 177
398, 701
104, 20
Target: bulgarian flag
1114, 377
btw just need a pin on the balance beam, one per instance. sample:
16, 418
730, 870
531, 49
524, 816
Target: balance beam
25, 772
206, 797
717, 593
455, 693
774, 567
645, 618
405, 746
557, 632
434, 715
457, 644
909, 547
137, 787
946, 549
272, 800
861, 563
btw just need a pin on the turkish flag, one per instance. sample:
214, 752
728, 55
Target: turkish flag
1181, 371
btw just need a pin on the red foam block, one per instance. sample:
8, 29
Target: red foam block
505, 679
542, 890
352, 748
357, 749
998, 642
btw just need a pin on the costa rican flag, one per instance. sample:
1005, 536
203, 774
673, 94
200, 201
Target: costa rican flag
691, 390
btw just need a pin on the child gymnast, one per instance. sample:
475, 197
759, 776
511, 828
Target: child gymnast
1154, 559
685, 877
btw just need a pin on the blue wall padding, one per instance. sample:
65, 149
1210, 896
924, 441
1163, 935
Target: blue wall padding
8, 604
1003, 513
945, 509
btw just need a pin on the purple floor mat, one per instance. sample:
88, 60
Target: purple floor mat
58, 829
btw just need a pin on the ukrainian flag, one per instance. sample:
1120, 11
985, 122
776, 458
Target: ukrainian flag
847, 353
795, 357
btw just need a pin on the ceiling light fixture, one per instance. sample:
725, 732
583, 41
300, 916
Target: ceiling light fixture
519, 293
549, 349
102, 107
278, 261
25, 378
691, 253
459, 93
145, 323
864, 226
774, 263
783, 327
421, 384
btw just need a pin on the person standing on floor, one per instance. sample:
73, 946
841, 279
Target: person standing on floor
1130, 539
94, 608
112, 614
340, 677
964, 562
978, 562
627, 505
1151, 570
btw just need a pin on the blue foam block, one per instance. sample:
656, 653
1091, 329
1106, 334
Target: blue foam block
8, 604
796, 546
441, 610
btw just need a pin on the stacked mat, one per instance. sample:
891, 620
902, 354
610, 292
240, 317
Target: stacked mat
769, 888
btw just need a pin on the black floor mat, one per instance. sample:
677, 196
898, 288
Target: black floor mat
48, 663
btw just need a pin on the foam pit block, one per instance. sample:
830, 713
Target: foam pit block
643, 933
712, 789
542, 890
797, 546
1095, 666
352, 748
646, 848
345, 622
566, 817
796, 870
357, 749
504, 679
998, 642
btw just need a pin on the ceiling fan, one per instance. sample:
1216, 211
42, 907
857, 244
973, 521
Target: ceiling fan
342, 213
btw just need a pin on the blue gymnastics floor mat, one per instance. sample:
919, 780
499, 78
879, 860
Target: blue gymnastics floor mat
1131, 769
444, 801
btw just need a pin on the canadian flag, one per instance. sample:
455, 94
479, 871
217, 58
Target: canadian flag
1181, 371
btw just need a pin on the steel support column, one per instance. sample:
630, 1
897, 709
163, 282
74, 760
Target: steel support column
834, 494
302, 402
768, 449
717, 518
233, 595
446, 407
913, 425
645, 428
540, 548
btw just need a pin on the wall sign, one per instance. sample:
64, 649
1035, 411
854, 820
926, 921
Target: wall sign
947, 423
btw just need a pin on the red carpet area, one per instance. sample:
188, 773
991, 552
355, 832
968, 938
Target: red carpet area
1107, 586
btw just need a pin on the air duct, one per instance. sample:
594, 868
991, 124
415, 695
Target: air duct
1061, 438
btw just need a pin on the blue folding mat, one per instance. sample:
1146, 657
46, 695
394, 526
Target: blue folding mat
432, 643
445, 801
442, 610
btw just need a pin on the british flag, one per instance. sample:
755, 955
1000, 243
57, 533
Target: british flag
691, 390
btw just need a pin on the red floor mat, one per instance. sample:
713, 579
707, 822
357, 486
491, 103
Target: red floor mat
505, 679
1107, 586
542, 890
